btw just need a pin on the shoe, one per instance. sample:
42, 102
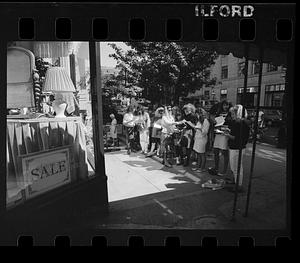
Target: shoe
149, 154
195, 169
178, 161
168, 165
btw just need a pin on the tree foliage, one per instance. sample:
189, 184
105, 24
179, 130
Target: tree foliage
165, 70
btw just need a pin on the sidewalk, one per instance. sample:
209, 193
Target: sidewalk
145, 194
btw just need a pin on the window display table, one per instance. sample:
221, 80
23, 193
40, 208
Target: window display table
25, 137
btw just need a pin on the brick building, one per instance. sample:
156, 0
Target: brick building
228, 70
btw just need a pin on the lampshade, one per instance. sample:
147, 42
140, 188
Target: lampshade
58, 80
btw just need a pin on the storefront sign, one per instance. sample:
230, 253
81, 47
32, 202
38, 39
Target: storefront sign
45, 171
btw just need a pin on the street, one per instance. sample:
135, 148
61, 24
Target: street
145, 194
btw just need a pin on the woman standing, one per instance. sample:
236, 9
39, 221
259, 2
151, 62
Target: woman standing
167, 124
200, 140
221, 141
177, 134
238, 138
113, 129
128, 122
187, 140
143, 123
156, 132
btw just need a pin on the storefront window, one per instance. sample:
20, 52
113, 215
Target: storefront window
274, 95
49, 120
250, 99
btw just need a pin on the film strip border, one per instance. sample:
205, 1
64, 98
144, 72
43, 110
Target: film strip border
146, 22
162, 239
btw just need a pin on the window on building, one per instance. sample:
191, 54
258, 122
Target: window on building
272, 67
206, 94
274, 95
241, 69
223, 94
224, 73
250, 100
255, 67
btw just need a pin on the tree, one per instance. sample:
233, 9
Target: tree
165, 70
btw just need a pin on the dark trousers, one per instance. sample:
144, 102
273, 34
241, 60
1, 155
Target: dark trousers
129, 137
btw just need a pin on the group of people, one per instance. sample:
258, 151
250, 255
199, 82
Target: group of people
184, 135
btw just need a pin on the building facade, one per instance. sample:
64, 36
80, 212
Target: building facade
228, 70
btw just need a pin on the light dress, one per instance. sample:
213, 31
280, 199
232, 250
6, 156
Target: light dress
201, 136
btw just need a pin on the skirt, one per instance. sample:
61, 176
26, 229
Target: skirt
113, 133
200, 144
221, 142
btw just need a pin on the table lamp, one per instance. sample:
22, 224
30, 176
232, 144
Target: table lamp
58, 82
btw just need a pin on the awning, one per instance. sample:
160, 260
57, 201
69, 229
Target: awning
55, 49
273, 53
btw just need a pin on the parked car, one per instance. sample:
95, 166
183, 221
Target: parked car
272, 117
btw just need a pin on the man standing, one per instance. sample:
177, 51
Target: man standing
129, 123
187, 142
238, 136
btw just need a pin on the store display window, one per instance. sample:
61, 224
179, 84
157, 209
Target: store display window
49, 141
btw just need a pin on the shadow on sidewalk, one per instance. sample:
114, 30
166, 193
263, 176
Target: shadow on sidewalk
185, 203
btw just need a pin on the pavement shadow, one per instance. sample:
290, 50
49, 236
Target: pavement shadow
190, 200
151, 165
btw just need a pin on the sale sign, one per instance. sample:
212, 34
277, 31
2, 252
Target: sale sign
46, 171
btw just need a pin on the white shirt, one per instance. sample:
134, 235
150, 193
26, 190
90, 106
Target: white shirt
144, 120
167, 124
204, 128
128, 120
